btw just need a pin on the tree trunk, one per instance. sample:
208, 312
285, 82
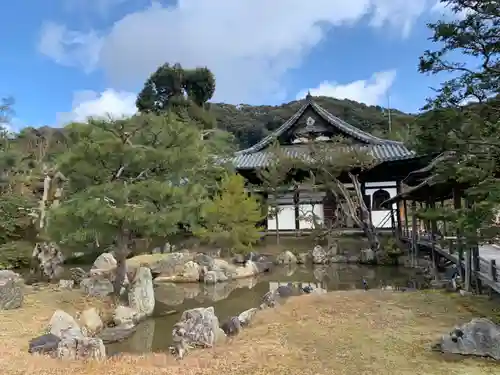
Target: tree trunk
363, 219
121, 262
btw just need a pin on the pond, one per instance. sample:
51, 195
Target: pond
232, 298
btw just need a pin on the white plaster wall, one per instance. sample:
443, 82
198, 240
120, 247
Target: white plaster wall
286, 218
306, 212
381, 219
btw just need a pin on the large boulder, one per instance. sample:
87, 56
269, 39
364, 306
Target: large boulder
286, 257
83, 348
141, 295
64, 325
198, 327
11, 290
78, 274
246, 316
319, 255
105, 261
250, 269
90, 321
46, 344
97, 286
125, 315
49, 260
479, 337
165, 265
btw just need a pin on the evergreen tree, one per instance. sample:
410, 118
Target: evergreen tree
231, 218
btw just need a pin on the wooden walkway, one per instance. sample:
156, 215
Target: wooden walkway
489, 256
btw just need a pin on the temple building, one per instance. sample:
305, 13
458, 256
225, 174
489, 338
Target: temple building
393, 162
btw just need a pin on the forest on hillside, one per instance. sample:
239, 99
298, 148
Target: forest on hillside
250, 123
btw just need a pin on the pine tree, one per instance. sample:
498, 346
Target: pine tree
231, 218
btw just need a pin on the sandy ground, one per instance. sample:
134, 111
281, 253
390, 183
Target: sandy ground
353, 332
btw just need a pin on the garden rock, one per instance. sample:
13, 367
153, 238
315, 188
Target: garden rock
286, 257
319, 255
246, 316
49, 259
105, 261
141, 295
199, 327
302, 258
77, 275
97, 286
91, 321
45, 344
125, 315
479, 337
81, 348
170, 264
64, 325
204, 261
231, 326
66, 284
11, 290
212, 277
118, 333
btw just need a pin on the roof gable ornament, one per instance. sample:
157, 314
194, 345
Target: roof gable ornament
310, 123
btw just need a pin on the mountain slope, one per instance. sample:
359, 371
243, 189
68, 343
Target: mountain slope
249, 123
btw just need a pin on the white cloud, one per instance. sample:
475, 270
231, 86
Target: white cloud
248, 44
70, 48
110, 103
372, 91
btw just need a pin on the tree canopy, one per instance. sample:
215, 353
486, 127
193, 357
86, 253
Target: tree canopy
470, 133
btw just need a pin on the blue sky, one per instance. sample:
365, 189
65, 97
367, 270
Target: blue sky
63, 60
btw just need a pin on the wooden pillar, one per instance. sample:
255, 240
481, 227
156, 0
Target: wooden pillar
468, 270
445, 231
457, 204
433, 229
414, 245
407, 224
399, 230
296, 201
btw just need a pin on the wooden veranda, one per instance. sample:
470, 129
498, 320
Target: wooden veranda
476, 263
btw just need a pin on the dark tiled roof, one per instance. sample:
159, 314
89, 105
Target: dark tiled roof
380, 152
381, 149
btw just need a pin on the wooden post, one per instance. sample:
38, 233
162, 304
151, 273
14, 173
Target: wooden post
393, 224
445, 231
457, 204
493, 270
468, 270
407, 224
399, 229
433, 226
474, 254
414, 245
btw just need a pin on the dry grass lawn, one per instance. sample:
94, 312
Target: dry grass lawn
352, 332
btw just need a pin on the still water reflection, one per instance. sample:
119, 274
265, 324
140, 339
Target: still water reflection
232, 298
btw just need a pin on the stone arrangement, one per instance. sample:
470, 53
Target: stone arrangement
200, 327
